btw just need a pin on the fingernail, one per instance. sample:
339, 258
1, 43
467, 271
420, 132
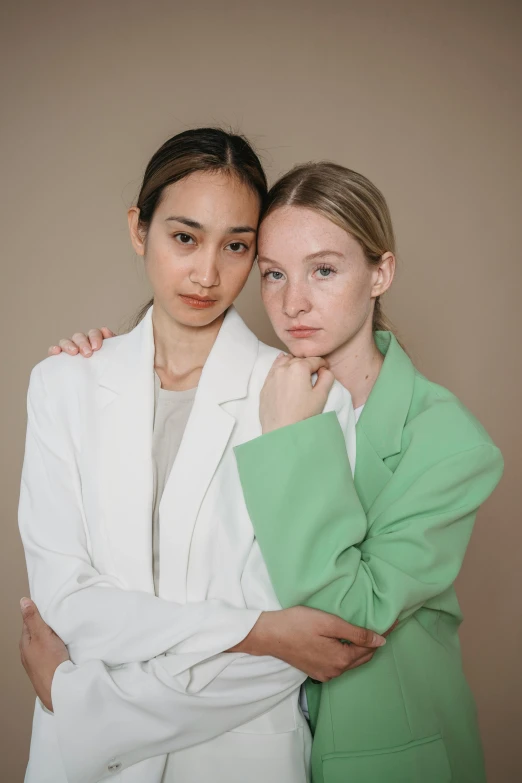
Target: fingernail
25, 602
86, 352
379, 641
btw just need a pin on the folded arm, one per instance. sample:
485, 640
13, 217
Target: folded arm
139, 710
321, 547
93, 612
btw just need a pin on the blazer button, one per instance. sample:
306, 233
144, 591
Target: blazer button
114, 766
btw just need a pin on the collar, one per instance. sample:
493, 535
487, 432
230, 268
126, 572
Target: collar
226, 373
386, 409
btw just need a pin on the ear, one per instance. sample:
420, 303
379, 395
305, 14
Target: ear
384, 274
136, 232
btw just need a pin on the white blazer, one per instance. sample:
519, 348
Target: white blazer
148, 679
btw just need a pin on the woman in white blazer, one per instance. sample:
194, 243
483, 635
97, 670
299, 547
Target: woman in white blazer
159, 687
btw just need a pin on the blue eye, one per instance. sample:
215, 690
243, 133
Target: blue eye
325, 271
276, 274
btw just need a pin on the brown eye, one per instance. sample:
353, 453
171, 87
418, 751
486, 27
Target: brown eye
237, 247
184, 239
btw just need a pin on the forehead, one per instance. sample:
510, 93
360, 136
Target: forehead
211, 197
301, 231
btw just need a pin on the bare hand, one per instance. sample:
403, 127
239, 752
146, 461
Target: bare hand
41, 651
84, 343
309, 640
288, 395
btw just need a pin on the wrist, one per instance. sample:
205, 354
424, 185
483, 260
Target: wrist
258, 641
270, 426
64, 667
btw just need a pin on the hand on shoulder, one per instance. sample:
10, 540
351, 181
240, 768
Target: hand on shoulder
85, 344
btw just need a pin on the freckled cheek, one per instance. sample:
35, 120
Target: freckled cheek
270, 299
339, 308
273, 304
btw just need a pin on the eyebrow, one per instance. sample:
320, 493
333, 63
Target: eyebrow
311, 257
194, 224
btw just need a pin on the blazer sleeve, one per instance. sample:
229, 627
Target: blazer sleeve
323, 550
92, 612
120, 716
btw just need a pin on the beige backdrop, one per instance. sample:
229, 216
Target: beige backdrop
422, 97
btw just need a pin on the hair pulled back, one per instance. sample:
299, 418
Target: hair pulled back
196, 150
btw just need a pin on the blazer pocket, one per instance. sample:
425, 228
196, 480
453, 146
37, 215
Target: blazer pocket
422, 760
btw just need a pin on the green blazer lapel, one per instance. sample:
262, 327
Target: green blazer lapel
371, 474
379, 434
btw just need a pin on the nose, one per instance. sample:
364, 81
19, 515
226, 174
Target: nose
295, 300
205, 271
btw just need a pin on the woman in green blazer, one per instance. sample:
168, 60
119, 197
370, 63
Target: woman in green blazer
390, 542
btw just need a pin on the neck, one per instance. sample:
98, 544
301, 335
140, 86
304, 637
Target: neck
180, 350
357, 363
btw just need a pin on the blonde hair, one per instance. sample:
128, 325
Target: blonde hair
346, 198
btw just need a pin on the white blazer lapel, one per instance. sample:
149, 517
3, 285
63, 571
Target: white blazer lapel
126, 407
224, 378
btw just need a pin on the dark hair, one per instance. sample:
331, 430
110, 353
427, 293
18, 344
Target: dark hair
346, 198
199, 149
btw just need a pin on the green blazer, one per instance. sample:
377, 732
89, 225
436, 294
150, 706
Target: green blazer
387, 544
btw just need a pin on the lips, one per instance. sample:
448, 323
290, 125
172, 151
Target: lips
303, 331
198, 302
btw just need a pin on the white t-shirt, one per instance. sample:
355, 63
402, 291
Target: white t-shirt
303, 700
171, 414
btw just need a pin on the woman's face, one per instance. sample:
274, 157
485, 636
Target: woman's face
200, 245
317, 286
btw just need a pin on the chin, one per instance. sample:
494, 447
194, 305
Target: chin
305, 348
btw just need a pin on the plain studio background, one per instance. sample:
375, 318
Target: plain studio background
423, 98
